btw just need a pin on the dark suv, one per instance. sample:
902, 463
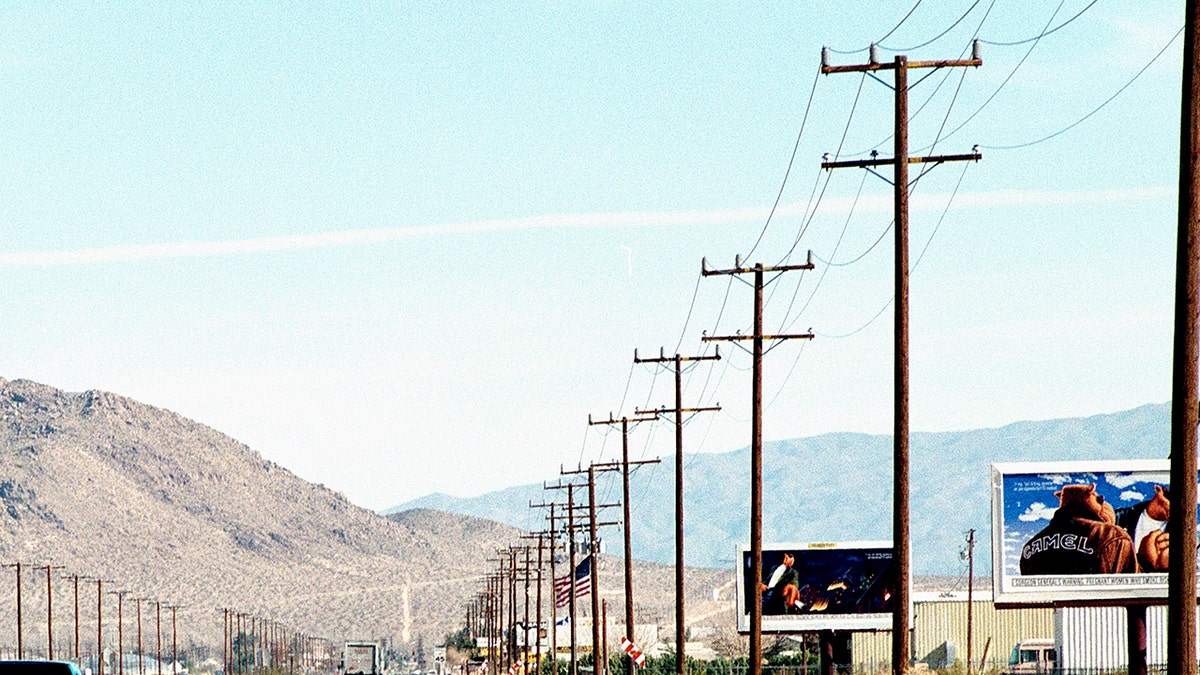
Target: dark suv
38, 668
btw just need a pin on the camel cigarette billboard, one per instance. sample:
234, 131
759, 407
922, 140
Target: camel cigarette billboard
1080, 532
819, 586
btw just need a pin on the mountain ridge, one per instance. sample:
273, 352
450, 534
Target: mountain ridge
850, 500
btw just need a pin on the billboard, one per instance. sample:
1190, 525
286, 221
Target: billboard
819, 586
1090, 532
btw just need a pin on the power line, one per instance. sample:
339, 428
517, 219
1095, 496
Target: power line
889, 33
791, 161
939, 86
1044, 33
1095, 110
687, 321
810, 214
825, 270
938, 36
860, 328
897, 26
1006, 80
862, 255
942, 217
874, 318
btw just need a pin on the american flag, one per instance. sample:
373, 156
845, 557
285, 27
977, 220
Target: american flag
583, 583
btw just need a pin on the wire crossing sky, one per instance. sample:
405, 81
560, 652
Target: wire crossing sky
407, 249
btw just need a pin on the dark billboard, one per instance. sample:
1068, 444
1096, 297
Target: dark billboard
819, 586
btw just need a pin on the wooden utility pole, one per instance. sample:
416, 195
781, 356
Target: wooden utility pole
141, 649
570, 488
174, 641
541, 546
493, 613
593, 549
756, 437
900, 460
592, 525
1181, 526
158, 632
604, 622
50, 609
120, 630
970, 596
503, 578
99, 627
512, 606
625, 464
679, 410
75, 578
20, 627
524, 651
552, 627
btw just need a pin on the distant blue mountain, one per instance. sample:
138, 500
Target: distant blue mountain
838, 487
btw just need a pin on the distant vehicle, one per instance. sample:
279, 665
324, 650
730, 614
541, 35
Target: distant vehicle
38, 668
1032, 657
358, 658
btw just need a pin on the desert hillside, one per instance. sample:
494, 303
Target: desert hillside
171, 510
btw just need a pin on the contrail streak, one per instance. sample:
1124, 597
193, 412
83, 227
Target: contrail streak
641, 219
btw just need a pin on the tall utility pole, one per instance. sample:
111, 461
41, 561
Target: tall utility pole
490, 618
571, 507
553, 623
174, 641
970, 595
900, 459
504, 605
142, 661
541, 547
591, 525
679, 410
512, 605
76, 578
20, 627
158, 633
99, 627
120, 630
50, 609
756, 431
594, 549
1181, 572
625, 464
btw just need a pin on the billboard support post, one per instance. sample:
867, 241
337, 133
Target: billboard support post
1137, 639
826, 646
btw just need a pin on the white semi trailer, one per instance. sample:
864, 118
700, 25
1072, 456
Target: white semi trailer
360, 658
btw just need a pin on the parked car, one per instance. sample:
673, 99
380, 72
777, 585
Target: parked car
31, 667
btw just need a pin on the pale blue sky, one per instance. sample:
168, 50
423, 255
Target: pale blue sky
407, 247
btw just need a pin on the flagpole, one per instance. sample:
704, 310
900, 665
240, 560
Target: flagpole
576, 585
